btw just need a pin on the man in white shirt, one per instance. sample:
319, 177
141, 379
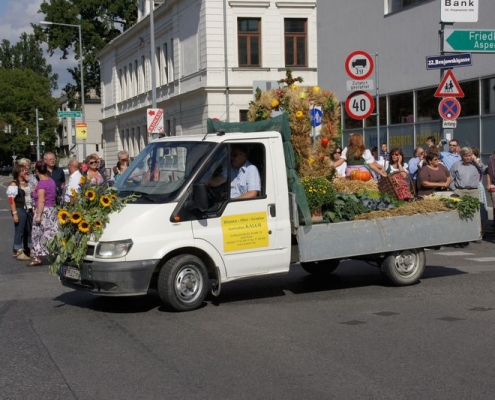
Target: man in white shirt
74, 181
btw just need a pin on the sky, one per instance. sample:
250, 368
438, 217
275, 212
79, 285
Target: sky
16, 17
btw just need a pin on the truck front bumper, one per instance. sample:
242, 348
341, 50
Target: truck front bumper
131, 278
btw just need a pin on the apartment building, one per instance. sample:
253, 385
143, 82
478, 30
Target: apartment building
207, 57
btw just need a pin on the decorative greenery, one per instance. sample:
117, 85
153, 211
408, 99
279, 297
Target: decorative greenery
82, 221
466, 206
319, 191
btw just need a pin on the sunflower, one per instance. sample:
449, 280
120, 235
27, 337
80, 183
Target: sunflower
299, 114
63, 217
99, 224
83, 226
105, 201
75, 218
73, 193
113, 197
82, 180
90, 194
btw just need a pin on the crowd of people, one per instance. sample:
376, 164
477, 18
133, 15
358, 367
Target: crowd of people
458, 171
35, 191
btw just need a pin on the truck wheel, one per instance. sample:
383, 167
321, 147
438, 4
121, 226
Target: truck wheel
183, 283
405, 267
324, 267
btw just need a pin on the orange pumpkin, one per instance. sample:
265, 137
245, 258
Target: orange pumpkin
360, 176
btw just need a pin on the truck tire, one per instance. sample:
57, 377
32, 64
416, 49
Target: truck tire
404, 267
183, 283
323, 267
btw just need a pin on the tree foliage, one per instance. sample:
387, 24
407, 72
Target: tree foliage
100, 20
26, 54
24, 90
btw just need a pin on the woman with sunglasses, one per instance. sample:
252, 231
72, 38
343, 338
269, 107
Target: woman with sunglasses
340, 170
21, 208
93, 173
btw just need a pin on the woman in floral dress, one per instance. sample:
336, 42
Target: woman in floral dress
45, 222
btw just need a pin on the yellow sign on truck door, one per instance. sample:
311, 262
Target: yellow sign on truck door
245, 231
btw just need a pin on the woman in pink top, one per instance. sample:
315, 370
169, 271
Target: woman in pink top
45, 222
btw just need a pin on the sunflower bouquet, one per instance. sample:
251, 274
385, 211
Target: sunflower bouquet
82, 221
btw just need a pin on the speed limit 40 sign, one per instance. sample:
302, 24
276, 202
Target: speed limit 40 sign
359, 105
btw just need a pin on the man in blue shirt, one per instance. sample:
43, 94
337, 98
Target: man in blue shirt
448, 158
245, 179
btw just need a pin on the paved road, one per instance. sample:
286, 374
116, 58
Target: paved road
294, 336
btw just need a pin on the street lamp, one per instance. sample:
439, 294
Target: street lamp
38, 155
81, 68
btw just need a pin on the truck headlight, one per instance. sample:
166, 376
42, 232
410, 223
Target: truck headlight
113, 249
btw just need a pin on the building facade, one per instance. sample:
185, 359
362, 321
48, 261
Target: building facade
207, 56
399, 35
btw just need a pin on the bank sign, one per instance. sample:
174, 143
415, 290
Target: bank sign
459, 11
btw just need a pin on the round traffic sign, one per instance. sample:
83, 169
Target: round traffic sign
359, 65
316, 116
449, 108
359, 105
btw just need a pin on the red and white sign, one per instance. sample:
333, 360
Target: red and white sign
449, 87
154, 117
359, 105
449, 108
359, 65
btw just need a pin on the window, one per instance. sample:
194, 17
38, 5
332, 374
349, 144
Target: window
143, 72
243, 115
249, 42
488, 93
401, 108
427, 105
165, 62
470, 105
158, 66
296, 35
136, 77
397, 5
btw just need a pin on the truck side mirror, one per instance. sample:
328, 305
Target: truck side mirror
200, 196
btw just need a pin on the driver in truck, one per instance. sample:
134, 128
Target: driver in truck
245, 178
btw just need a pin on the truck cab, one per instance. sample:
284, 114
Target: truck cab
182, 234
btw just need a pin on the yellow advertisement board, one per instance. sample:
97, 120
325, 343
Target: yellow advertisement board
245, 231
81, 130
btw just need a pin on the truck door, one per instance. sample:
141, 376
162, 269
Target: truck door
243, 230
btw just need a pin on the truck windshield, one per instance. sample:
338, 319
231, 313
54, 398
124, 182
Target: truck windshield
162, 170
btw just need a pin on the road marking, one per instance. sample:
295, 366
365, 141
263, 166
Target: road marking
482, 259
456, 253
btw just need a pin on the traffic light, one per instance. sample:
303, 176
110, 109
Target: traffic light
96, 146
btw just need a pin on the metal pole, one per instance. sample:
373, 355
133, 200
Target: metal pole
378, 144
445, 133
37, 137
82, 87
152, 44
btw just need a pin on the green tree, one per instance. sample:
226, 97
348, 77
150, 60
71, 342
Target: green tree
26, 54
24, 90
101, 21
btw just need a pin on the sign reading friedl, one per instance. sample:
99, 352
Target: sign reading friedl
474, 41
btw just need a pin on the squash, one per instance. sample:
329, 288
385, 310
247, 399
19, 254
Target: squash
358, 175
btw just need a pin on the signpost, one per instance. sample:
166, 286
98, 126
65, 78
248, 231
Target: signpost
448, 61
449, 108
472, 40
69, 114
81, 130
154, 118
359, 65
359, 105
449, 87
459, 11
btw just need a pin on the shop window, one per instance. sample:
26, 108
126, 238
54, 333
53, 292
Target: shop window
470, 103
427, 105
401, 108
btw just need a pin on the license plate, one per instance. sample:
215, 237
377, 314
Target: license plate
72, 273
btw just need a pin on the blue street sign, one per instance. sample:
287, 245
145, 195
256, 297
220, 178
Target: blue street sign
316, 116
449, 61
